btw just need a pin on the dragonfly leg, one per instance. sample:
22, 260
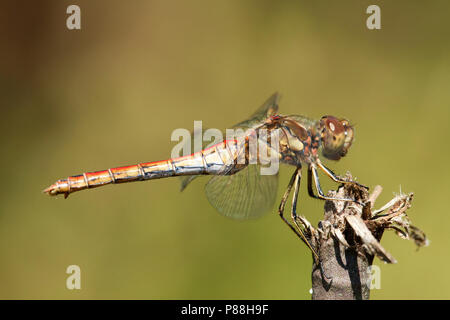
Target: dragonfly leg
335, 178
298, 232
286, 195
283, 204
310, 188
312, 174
297, 180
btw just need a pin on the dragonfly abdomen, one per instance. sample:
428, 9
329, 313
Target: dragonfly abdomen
211, 161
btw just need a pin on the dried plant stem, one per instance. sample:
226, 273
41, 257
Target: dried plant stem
348, 239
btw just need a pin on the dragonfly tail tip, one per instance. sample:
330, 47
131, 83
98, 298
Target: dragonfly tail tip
51, 191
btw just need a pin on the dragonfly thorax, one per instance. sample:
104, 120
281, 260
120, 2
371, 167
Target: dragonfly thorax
301, 138
299, 141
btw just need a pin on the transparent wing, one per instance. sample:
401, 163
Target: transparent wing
269, 108
185, 180
244, 195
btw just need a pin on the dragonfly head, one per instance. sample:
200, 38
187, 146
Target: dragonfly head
336, 135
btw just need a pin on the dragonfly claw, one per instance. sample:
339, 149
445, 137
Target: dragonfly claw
361, 185
353, 182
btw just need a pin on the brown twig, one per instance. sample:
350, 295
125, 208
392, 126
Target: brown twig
348, 239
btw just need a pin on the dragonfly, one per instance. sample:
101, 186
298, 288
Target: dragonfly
236, 188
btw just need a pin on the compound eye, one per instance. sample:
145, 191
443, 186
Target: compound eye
335, 125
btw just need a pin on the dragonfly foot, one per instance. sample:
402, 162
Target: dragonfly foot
350, 181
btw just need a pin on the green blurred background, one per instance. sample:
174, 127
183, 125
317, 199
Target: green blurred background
111, 94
